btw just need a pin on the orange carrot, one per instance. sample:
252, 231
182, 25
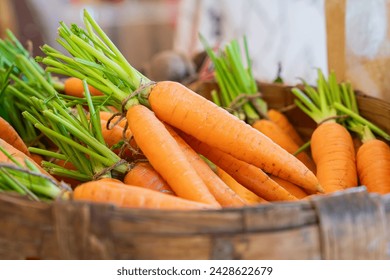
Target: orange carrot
37, 158
17, 155
333, 152
104, 115
283, 122
201, 118
10, 136
143, 174
284, 140
249, 196
165, 155
222, 193
373, 166
250, 176
122, 195
290, 187
74, 87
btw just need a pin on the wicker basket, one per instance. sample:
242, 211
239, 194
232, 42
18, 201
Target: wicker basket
352, 224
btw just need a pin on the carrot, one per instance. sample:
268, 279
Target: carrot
248, 175
283, 122
122, 195
10, 135
222, 193
74, 87
290, 187
249, 196
165, 155
280, 137
17, 155
199, 117
373, 166
373, 155
332, 147
333, 152
143, 174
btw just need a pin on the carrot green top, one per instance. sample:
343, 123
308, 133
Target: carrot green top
96, 59
332, 101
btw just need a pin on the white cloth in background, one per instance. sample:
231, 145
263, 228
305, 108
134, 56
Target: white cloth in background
288, 32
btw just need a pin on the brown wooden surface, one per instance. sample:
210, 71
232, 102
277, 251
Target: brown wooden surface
348, 225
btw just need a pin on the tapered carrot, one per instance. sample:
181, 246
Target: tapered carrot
284, 140
143, 174
10, 136
250, 176
74, 87
122, 195
222, 193
373, 166
333, 152
201, 118
283, 122
249, 196
165, 155
290, 187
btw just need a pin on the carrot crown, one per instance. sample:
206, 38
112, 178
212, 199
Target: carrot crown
236, 82
96, 59
317, 102
333, 101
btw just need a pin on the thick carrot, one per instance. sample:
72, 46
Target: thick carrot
222, 193
74, 87
250, 176
290, 187
284, 140
201, 118
122, 195
333, 152
143, 174
165, 155
249, 196
373, 166
283, 122
10, 136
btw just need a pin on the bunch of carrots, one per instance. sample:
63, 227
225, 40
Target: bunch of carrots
117, 137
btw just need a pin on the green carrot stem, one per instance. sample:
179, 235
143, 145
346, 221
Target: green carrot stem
58, 170
47, 153
302, 148
362, 120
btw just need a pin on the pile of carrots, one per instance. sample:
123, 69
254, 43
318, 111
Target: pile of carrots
116, 137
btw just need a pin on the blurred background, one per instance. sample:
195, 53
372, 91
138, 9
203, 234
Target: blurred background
351, 37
